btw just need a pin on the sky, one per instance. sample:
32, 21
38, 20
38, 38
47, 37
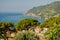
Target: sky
18, 6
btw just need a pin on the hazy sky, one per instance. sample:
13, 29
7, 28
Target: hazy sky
21, 5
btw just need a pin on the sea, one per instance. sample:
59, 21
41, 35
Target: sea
15, 17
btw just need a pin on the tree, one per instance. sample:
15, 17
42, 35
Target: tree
4, 26
25, 24
27, 35
53, 33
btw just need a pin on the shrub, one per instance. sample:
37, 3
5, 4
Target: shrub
27, 35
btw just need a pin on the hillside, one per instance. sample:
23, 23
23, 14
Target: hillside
46, 11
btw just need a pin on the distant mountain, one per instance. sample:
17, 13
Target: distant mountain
46, 11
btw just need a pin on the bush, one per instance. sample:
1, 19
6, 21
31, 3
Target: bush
51, 22
53, 33
27, 35
26, 23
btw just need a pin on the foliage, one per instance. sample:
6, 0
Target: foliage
4, 26
53, 33
25, 24
27, 35
51, 22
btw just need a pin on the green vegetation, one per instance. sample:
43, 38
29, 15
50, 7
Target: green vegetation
46, 11
23, 33
4, 26
51, 22
24, 24
26, 35
27, 23
53, 33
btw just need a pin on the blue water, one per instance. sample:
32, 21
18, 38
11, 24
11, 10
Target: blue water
15, 17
